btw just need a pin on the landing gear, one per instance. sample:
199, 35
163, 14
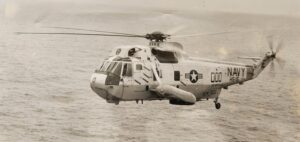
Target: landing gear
137, 101
217, 104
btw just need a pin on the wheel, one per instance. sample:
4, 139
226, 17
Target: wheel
218, 105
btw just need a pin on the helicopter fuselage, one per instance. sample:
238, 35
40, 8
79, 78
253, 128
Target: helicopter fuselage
131, 73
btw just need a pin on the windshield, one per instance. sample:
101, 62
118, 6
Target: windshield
104, 66
115, 68
113, 71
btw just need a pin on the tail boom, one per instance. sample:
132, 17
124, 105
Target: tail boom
261, 65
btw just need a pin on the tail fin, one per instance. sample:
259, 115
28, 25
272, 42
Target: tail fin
263, 63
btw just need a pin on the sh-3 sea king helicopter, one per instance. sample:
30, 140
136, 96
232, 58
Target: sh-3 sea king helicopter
162, 71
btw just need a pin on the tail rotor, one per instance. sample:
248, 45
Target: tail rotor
274, 53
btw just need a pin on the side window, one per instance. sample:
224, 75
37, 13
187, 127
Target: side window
127, 69
139, 67
177, 75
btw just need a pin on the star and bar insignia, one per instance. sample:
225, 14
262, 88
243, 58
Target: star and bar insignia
193, 76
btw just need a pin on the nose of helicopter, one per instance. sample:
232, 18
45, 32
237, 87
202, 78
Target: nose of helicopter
97, 83
98, 80
111, 93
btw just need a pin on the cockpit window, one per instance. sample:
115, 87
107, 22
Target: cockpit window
111, 66
113, 73
118, 68
115, 68
104, 66
127, 69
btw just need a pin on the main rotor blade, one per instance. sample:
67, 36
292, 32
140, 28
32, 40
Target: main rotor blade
194, 35
86, 34
175, 30
89, 30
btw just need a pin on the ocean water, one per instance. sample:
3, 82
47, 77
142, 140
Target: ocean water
44, 79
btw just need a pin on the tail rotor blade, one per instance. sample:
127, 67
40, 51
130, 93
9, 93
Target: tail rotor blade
279, 47
280, 61
270, 42
272, 69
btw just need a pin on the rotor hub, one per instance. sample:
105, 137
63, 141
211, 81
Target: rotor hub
273, 55
157, 36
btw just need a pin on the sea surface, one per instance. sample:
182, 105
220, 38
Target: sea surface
44, 79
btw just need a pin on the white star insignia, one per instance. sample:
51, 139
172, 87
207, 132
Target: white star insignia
194, 76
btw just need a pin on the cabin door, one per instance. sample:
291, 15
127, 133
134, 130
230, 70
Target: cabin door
127, 79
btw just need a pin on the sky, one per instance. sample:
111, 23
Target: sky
286, 7
273, 7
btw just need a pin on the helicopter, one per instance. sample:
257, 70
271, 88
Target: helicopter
163, 71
